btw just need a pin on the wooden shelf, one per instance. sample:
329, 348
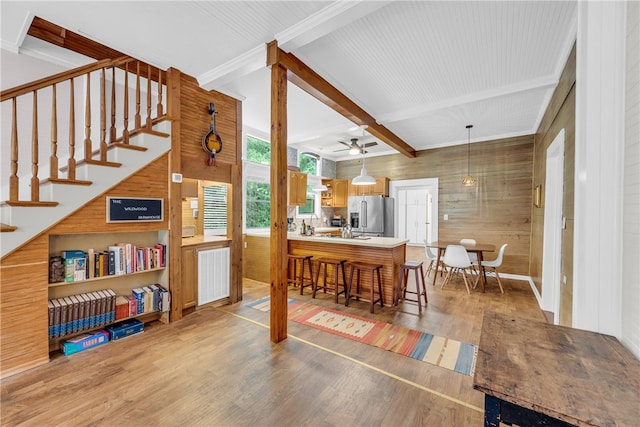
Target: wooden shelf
111, 276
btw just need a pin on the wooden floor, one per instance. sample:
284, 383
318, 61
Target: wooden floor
217, 367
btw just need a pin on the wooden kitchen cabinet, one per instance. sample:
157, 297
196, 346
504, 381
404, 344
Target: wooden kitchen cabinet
189, 277
297, 188
380, 188
340, 193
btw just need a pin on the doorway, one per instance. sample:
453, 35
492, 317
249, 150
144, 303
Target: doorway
415, 209
553, 226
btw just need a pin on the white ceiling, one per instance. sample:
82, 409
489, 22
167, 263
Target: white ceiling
423, 69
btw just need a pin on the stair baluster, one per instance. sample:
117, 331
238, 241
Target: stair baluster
71, 164
35, 182
103, 117
53, 159
87, 120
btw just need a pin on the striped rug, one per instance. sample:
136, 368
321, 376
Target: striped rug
444, 352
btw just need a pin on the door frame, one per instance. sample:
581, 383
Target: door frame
429, 183
553, 226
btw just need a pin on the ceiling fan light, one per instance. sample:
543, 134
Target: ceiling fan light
354, 151
363, 178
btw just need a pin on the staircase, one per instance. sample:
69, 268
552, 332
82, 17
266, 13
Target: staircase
110, 151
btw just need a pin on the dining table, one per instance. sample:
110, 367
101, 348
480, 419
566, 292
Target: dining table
477, 248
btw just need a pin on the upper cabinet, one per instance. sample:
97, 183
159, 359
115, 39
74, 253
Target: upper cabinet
297, 188
380, 188
336, 194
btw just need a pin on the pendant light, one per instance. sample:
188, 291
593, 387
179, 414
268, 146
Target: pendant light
363, 178
468, 180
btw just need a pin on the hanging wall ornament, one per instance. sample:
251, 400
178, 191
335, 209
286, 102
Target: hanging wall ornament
212, 143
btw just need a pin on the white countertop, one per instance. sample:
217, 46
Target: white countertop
379, 242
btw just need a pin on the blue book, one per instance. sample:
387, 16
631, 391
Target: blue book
72, 254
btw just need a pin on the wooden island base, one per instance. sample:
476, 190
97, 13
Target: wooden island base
386, 251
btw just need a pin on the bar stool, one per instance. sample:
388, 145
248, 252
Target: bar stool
374, 270
326, 285
298, 263
403, 278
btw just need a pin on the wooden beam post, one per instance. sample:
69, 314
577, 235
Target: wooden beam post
279, 249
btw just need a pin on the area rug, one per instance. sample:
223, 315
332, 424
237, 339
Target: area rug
440, 351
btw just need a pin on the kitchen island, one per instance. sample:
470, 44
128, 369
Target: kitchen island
389, 252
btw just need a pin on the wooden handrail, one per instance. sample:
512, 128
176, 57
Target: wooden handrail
95, 142
61, 77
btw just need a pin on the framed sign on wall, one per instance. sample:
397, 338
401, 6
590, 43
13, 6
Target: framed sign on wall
133, 209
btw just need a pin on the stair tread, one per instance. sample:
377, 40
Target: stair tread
128, 146
28, 203
4, 228
67, 181
103, 163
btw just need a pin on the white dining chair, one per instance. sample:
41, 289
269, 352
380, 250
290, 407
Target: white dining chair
432, 258
494, 264
456, 258
473, 257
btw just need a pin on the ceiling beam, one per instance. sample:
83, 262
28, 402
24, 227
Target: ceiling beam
312, 83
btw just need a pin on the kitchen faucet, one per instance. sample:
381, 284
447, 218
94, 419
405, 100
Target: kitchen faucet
311, 218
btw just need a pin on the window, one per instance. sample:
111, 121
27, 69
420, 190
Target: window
258, 205
258, 150
309, 163
310, 207
215, 210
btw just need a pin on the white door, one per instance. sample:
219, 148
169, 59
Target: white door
416, 209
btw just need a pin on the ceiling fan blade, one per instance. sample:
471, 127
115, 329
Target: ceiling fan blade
369, 144
342, 149
345, 143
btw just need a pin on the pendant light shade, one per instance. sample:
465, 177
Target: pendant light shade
363, 178
468, 180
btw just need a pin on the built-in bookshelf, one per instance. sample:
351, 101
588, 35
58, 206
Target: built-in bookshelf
148, 248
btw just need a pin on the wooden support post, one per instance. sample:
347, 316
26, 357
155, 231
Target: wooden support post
279, 248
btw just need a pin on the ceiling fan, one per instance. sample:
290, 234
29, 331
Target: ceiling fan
354, 148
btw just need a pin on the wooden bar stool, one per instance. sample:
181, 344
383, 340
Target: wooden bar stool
296, 263
326, 285
403, 278
374, 270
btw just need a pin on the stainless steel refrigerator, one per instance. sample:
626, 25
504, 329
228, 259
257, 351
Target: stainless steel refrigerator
371, 215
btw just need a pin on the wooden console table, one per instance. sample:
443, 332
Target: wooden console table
535, 373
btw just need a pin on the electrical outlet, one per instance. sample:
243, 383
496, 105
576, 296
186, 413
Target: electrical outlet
245, 245
176, 177
446, 217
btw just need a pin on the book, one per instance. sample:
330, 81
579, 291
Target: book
133, 305
75, 313
70, 326
111, 263
85, 301
93, 309
72, 254
92, 263
138, 293
51, 318
111, 303
56, 317
63, 317
80, 269
69, 269
122, 307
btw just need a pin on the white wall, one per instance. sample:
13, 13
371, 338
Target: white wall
630, 335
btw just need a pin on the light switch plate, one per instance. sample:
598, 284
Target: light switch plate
176, 177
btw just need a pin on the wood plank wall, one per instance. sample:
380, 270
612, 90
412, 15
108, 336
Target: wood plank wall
559, 115
496, 210
192, 119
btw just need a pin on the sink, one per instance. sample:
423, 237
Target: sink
330, 236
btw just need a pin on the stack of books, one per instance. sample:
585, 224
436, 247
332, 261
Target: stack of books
120, 258
90, 310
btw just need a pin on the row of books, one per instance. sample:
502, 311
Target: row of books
121, 258
89, 310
